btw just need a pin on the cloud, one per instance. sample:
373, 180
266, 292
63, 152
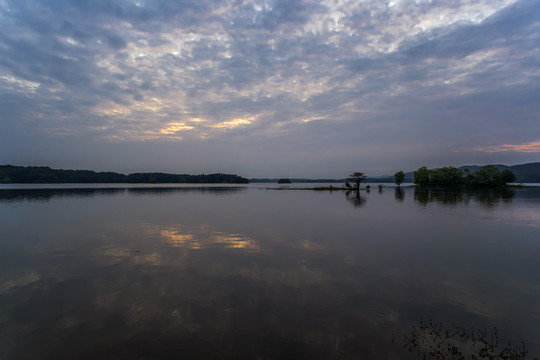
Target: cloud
353, 76
530, 147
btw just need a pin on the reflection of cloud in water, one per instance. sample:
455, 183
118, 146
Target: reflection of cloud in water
23, 280
207, 238
176, 239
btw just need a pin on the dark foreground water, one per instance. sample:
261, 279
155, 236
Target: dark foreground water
255, 273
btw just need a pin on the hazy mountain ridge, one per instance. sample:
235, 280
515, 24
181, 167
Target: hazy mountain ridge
525, 173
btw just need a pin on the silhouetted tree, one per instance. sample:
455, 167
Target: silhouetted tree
507, 176
357, 178
422, 175
399, 177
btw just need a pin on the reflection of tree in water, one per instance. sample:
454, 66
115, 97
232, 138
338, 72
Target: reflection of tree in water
433, 341
354, 197
14, 195
486, 197
399, 194
170, 190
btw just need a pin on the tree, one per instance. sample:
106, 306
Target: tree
446, 176
507, 176
399, 177
422, 176
357, 178
487, 176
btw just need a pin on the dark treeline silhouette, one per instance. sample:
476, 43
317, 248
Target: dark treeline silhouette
487, 176
44, 174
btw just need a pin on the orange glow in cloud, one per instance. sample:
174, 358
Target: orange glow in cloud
231, 124
174, 127
530, 147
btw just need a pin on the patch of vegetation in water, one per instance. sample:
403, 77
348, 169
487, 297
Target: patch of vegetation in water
431, 340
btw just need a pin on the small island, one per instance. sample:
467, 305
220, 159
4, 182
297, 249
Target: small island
284, 181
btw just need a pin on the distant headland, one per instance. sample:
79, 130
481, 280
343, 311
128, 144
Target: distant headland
46, 175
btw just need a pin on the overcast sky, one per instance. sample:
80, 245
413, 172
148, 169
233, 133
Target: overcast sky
272, 88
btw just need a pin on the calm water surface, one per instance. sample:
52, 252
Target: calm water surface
255, 273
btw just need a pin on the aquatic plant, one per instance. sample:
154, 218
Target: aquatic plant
433, 341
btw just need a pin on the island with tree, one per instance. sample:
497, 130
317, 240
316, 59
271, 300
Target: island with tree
486, 176
356, 178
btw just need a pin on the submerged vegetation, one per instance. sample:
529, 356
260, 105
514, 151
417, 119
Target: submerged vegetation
44, 174
434, 341
487, 176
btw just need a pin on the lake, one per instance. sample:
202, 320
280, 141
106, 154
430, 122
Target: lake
260, 271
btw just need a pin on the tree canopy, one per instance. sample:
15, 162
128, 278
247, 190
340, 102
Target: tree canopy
399, 177
357, 178
487, 176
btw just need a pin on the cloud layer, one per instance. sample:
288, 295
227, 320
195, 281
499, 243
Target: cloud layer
269, 88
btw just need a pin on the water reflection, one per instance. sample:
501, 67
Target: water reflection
214, 190
355, 198
488, 198
256, 275
399, 194
15, 195
204, 238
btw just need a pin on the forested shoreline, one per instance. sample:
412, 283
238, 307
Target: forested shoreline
44, 174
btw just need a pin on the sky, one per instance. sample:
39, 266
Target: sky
273, 88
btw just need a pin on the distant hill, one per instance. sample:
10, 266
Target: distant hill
525, 173
44, 174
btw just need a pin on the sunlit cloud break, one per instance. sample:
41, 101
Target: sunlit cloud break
313, 85
530, 147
